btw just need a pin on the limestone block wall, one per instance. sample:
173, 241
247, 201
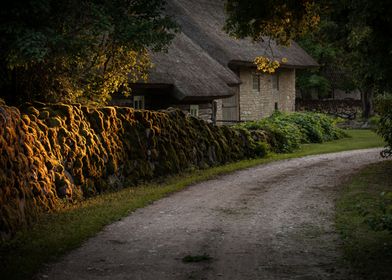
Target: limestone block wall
254, 104
258, 104
219, 112
286, 100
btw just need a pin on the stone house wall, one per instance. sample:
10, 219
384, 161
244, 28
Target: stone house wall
287, 90
256, 104
219, 112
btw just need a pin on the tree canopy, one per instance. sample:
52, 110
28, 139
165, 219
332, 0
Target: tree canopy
74, 50
282, 20
335, 70
363, 33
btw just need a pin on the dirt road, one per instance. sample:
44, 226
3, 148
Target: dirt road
274, 221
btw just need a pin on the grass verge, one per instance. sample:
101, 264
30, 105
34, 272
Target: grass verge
367, 251
57, 233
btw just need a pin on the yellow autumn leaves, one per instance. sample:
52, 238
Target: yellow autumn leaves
114, 72
266, 65
286, 25
128, 66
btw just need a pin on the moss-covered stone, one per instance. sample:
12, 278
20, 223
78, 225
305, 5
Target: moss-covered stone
54, 154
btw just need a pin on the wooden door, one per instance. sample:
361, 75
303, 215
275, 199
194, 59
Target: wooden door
230, 110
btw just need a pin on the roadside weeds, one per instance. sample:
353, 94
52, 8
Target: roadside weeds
367, 251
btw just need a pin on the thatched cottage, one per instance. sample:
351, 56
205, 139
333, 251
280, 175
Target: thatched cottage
212, 76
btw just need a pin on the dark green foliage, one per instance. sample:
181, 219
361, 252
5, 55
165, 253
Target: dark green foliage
381, 218
384, 109
317, 128
73, 50
322, 44
281, 20
261, 149
362, 219
285, 132
365, 34
308, 81
354, 38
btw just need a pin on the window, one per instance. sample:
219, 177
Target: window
256, 82
275, 81
276, 106
138, 102
194, 110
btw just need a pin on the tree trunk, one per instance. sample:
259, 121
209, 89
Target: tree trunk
367, 103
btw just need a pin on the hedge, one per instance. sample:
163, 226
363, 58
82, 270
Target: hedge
286, 131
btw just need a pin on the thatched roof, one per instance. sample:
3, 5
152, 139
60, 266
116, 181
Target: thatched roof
196, 64
203, 20
192, 72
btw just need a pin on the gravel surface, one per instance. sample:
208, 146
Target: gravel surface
273, 221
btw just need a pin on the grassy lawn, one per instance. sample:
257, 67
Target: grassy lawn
56, 233
367, 251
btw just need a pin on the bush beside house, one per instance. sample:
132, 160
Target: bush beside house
286, 131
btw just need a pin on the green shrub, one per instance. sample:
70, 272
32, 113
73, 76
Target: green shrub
384, 108
261, 149
286, 131
282, 136
309, 126
316, 127
374, 121
381, 219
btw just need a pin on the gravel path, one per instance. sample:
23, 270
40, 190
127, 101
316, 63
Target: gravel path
274, 221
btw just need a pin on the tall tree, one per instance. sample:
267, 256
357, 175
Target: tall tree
364, 33
282, 20
335, 69
74, 50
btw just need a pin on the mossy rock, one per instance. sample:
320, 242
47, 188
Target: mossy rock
77, 151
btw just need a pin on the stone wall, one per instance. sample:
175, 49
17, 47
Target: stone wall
346, 109
56, 154
341, 94
334, 94
286, 101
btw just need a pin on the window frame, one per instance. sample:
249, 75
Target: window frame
275, 81
138, 102
194, 110
255, 80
